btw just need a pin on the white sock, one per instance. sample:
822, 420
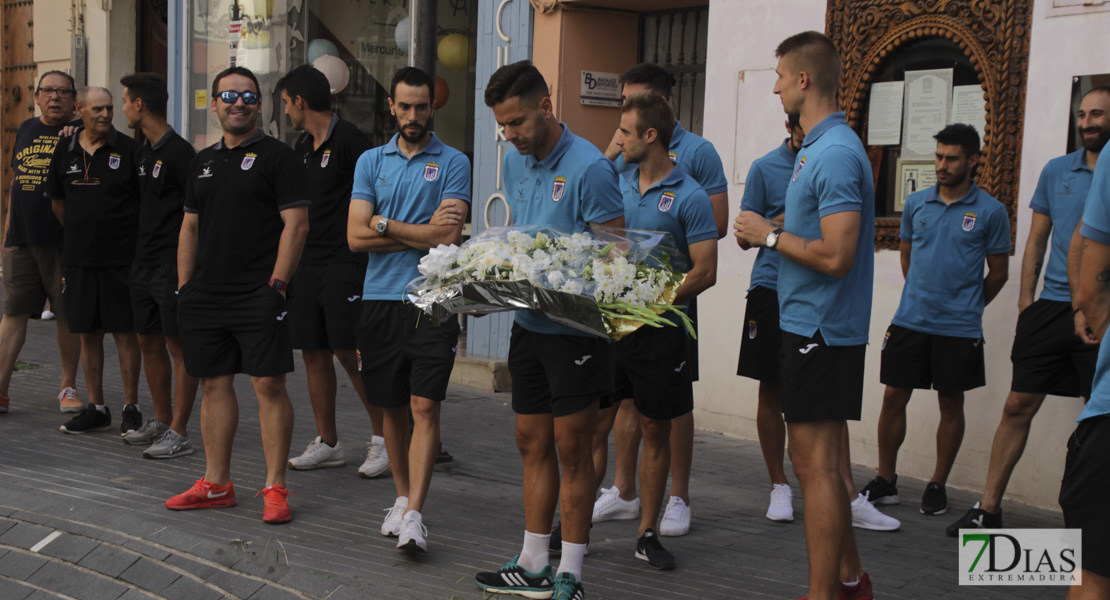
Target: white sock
101, 407
414, 515
851, 583
534, 556
572, 559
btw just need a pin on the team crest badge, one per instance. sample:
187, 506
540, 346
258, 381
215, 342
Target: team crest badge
559, 188
969, 221
753, 330
248, 161
886, 338
673, 156
113, 161
666, 201
431, 171
157, 169
801, 163
324, 159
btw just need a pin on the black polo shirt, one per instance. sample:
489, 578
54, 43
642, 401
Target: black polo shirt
101, 221
331, 173
163, 171
238, 195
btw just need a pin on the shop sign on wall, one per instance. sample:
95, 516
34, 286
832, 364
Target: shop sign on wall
600, 89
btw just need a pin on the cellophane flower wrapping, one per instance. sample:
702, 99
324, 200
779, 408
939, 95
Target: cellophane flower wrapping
607, 283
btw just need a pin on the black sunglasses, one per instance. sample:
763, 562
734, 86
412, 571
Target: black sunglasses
230, 97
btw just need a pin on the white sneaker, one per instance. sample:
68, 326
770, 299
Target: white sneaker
391, 526
411, 537
866, 516
782, 503
318, 454
377, 460
47, 315
609, 506
676, 519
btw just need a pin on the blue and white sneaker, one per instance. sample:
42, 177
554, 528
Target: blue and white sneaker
514, 579
567, 588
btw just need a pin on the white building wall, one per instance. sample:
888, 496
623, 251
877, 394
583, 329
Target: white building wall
744, 121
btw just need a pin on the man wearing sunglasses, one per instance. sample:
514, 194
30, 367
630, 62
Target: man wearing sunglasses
245, 224
33, 244
94, 189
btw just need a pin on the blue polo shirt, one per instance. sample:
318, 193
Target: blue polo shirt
697, 156
407, 190
1060, 195
831, 174
1096, 226
943, 294
676, 204
573, 186
765, 193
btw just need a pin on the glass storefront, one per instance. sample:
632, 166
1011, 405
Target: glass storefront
358, 44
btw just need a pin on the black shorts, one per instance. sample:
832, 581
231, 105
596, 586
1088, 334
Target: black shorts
1085, 488
761, 342
403, 353
97, 299
914, 360
227, 333
154, 299
558, 374
1048, 357
821, 382
325, 302
652, 367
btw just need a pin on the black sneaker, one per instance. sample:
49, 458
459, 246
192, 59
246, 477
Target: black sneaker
976, 518
650, 549
89, 419
935, 500
882, 491
514, 579
567, 588
443, 456
132, 419
555, 542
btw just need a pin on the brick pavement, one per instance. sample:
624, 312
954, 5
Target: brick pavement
116, 540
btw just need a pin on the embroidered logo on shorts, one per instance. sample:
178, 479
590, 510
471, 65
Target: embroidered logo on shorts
801, 163
113, 161
431, 171
666, 201
325, 158
753, 329
557, 190
673, 156
157, 169
886, 338
969, 221
248, 161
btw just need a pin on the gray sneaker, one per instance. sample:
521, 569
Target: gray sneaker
150, 431
169, 445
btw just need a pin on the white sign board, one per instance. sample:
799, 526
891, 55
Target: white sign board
927, 96
884, 117
969, 106
600, 89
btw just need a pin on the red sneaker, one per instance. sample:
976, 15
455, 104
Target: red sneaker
204, 494
277, 505
4, 403
860, 591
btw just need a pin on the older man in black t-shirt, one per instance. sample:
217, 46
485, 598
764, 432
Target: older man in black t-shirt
94, 188
33, 243
246, 220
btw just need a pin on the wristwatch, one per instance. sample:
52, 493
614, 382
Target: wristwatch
772, 239
278, 284
382, 226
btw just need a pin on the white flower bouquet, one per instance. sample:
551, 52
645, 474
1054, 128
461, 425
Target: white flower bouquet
608, 283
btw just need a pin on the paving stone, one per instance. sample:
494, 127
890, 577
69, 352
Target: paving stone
134, 594
25, 535
224, 554
235, 583
5, 525
149, 575
13, 590
146, 549
202, 570
259, 566
108, 559
187, 589
20, 565
70, 548
311, 581
271, 593
70, 581
176, 538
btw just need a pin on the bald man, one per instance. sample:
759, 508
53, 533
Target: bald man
93, 187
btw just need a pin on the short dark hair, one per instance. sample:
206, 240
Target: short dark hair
151, 88
245, 72
517, 80
651, 75
310, 84
72, 84
794, 120
652, 112
414, 77
962, 135
814, 53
